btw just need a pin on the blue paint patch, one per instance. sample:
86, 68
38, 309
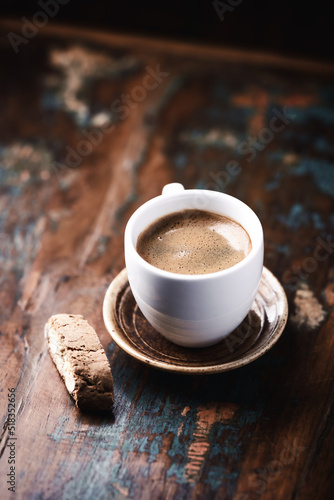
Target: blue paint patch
131, 198
155, 448
275, 155
298, 217
143, 445
225, 446
177, 449
180, 161
295, 218
216, 478
284, 249
317, 221
200, 184
177, 471
23, 164
230, 450
84, 480
270, 186
322, 145
322, 172
58, 434
324, 115
51, 101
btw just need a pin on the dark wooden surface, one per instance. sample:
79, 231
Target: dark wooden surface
262, 431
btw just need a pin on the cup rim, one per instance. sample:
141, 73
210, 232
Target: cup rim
256, 246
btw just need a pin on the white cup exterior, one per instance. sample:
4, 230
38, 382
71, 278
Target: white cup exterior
194, 310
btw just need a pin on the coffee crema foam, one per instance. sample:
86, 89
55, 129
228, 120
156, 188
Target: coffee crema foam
194, 242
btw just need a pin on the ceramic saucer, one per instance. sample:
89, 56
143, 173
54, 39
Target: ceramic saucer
259, 331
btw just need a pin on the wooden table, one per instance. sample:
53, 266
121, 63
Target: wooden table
92, 126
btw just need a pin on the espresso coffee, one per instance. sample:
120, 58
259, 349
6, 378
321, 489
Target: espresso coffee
194, 242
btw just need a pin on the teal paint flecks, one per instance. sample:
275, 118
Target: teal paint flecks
299, 216
180, 161
200, 185
155, 448
225, 447
23, 164
270, 186
322, 145
275, 156
126, 436
283, 249
58, 434
324, 115
322, 173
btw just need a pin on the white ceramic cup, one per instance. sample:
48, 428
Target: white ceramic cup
194, 310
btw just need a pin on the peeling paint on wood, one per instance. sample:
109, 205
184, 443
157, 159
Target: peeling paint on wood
200, 445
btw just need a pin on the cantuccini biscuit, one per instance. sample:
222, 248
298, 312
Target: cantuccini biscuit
81, 361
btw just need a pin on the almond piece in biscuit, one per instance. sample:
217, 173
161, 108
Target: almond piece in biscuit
81, 361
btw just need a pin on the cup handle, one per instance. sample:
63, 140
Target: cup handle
172, 188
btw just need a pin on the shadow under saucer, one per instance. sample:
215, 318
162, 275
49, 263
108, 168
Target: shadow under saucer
259, 331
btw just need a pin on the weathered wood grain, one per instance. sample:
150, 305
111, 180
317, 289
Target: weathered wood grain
263, 431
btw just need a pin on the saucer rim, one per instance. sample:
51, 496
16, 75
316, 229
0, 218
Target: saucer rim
114, 330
